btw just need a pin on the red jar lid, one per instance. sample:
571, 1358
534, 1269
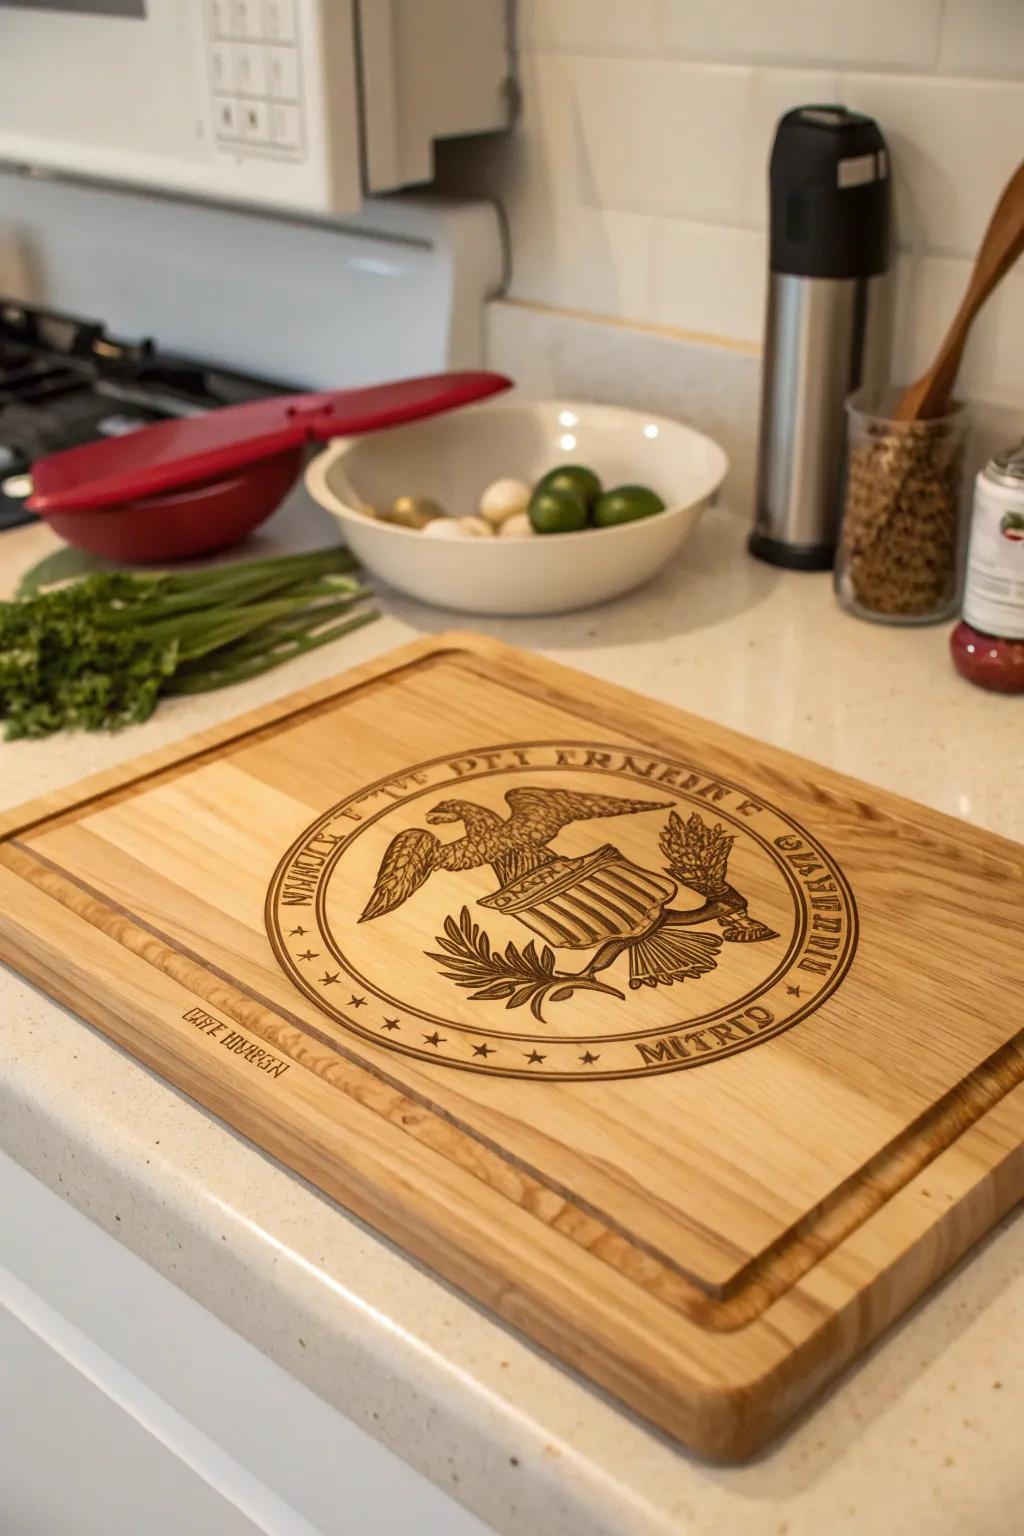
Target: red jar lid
987, 661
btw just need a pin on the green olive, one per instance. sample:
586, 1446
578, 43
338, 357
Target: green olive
573, 477
557, 511
626, 504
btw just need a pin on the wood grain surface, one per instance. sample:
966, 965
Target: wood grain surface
694, 1061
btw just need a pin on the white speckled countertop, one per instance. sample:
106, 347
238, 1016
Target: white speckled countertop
921, 1439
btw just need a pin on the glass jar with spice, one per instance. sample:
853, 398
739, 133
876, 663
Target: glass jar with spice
901, 537
988, 643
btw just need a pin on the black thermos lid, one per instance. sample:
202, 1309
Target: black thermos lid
829, 186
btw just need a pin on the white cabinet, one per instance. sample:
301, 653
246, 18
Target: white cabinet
76, 1462
127, 1408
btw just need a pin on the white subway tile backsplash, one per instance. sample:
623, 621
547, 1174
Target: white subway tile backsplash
708, 279
928, 291
954, 145
564, 250
593, 259
636, 180
983, 37
658, 138
591, 26
887, 33
688, 141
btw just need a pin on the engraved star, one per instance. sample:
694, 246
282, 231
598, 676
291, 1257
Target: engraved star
328, 980
793, 991
587, 1058
435, 1039
535, 1056
357, 1002
482, 1050
297, 933
390, 1024
310, 954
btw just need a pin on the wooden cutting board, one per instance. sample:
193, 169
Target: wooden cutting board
692, 1060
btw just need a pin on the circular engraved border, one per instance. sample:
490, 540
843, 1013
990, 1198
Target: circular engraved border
352, 1025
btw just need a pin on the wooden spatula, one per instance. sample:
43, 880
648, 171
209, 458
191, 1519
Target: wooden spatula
1003, 243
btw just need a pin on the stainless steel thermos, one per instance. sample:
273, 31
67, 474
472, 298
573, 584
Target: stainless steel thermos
828, 250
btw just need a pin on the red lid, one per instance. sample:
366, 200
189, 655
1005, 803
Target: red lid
171, 455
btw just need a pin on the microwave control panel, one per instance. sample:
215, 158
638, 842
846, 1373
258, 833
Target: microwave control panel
255, 65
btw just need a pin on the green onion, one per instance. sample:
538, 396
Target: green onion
242, 668
99, 652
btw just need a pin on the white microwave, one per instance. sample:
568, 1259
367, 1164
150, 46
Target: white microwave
301, 105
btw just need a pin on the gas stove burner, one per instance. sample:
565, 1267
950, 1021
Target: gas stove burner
66, 381
17, 487
47, 330
120, 424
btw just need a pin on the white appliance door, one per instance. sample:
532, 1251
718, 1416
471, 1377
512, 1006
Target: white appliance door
250, 101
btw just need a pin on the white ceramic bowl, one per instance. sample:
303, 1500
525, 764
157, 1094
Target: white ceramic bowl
454, 457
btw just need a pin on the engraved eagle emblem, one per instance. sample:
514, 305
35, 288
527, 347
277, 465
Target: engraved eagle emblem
601, 900
513, 845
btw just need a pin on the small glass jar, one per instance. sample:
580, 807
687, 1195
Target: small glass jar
901, 538
988, 644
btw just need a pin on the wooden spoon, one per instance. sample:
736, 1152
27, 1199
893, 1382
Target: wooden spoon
1003, 243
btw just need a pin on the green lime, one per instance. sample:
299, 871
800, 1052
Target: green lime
557, 511
626, 504
572, 477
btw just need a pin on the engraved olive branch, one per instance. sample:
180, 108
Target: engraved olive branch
517, 975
